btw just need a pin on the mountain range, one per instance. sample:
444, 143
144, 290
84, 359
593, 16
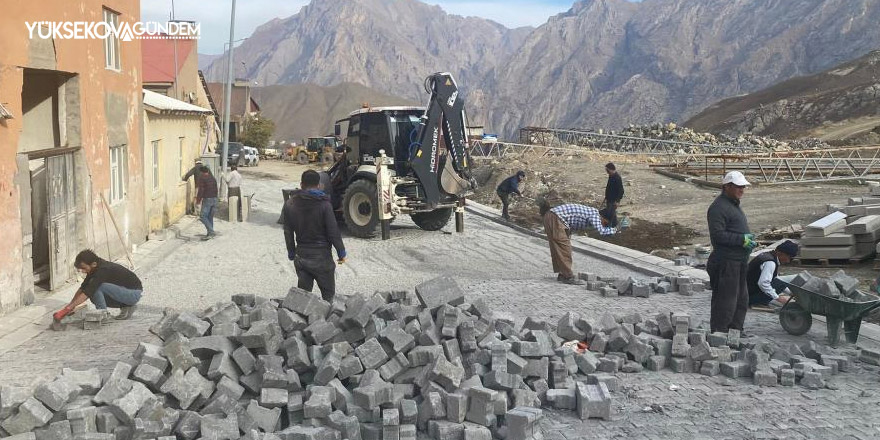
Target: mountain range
603, 63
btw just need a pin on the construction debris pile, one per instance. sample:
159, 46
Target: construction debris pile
383, 367
849, 232
674, 132
840, 286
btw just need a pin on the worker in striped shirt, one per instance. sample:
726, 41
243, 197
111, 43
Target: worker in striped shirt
562, 220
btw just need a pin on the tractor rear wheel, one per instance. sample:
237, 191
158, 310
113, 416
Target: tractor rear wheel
361, 208
302, 158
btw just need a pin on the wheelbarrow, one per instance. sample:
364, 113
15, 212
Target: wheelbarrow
796, 316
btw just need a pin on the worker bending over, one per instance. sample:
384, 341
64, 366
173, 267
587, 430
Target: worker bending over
560, 222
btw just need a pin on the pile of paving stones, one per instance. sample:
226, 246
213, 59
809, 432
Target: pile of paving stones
612, 286
839, 286
383, 367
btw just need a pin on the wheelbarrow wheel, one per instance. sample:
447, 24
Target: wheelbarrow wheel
795, 320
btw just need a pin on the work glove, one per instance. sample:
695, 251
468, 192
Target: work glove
749, 241
341, 256
624, 224
291, 255
62, 313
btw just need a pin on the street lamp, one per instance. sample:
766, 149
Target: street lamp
228, 94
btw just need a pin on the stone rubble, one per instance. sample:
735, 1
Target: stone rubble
839, 286
387, 367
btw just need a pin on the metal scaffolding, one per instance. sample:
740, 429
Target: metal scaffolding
785, 166
555, 137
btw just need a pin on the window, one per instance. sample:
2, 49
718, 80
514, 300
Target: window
117, 173
111, 43
155, 165
180, 161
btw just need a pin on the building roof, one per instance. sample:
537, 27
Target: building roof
160, 103
157, 57
237, 104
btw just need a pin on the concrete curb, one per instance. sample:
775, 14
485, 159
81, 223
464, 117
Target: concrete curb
24, 324
636, 260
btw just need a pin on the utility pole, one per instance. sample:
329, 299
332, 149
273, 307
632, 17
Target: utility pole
228, 96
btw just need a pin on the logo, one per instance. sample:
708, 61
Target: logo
434, 137
451, 101
102, 30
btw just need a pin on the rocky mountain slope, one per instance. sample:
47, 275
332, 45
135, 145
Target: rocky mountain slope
846, 96
302, 110
603, 63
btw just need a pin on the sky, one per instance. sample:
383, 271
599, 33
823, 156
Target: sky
213, 15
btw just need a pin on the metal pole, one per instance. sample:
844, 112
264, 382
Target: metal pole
228, 94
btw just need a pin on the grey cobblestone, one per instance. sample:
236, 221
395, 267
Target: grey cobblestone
513, 277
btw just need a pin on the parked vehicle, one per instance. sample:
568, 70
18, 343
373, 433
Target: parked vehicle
250, 157
233, 155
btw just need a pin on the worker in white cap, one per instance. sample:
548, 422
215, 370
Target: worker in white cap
728, 264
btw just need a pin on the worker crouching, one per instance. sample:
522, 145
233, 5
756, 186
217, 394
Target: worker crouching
107, 285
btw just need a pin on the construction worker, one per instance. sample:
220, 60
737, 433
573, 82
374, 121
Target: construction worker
206, 195
728, 263
761, 272
233, 186
106, 285
310, 230
560, 222
193, 172
613, 189
507, 187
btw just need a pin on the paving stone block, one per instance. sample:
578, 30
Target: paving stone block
56, 394
451, 349
371, 354
522, 423
787, 378
265, 419
436, 292
394, 367
219, 428
765, 378
305, 303
89, 381
871, 357
562, 398
681, 365
445, 430
297, 354
190, 325
735, 369
126, 407
59, 430
148, 375
593, 401
710, 368
180, 388
277, 398
813, 381
481, 406
656, 363
445, 373
31, 414
572, 327
10, 398
587, 362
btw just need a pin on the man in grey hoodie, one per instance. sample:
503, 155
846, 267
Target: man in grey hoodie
728, 264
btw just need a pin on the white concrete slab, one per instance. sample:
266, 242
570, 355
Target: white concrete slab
827, 252
837, 239
864, 225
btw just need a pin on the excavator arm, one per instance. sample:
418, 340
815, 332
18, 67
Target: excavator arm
444, 116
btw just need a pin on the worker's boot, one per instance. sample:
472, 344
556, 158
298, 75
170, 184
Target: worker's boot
573, 281
126, 312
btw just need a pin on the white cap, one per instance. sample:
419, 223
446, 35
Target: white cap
736, 178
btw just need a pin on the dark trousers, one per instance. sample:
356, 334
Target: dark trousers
316, 265
612, 210
730, 295
505, 202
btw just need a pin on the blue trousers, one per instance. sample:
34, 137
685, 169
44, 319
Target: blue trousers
111, 295
207, 214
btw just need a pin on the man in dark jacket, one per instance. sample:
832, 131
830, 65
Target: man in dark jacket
194, 173
762, 270
309, 231
613, 190
206, 195
507, 187
731, 244
106, 285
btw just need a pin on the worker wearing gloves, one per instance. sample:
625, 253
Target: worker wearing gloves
761, 272
507, 187
560, 222
310, 230
728, 263
107, 285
